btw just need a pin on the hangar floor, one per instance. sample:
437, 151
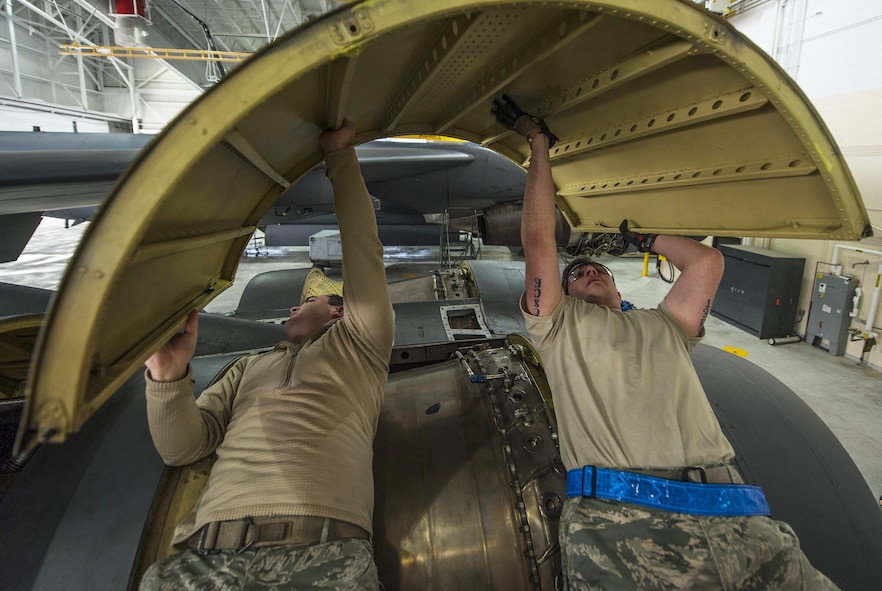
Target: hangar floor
847, 396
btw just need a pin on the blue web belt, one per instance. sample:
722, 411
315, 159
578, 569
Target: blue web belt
728, 500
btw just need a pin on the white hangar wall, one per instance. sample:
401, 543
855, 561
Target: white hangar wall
830, 47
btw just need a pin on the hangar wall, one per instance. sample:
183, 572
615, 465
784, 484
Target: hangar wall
828, 47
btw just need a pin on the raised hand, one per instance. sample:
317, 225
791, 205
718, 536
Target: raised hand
332, 140
169, 363
643, 242
511, 116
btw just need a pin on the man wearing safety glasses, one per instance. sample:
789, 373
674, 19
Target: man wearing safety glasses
583, 273
654, 501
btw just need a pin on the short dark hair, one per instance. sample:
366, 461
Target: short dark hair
334, 299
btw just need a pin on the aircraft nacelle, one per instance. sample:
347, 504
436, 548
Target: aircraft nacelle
501, 226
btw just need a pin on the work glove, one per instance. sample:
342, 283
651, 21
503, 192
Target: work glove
643, 242
510, 115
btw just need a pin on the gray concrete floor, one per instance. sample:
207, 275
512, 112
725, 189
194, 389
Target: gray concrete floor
846, 396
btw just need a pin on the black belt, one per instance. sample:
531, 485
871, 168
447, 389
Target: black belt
255, 532
719, 474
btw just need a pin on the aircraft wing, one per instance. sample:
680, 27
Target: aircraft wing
666, 116
413, 175
53, 171
49, 171
67, 175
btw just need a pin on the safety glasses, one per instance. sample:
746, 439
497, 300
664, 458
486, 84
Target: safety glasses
579, 271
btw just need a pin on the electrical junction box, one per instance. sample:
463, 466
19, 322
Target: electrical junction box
832, 301
759, 291
325, 248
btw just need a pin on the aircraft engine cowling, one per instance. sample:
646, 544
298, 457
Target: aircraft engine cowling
501, 226
469, 481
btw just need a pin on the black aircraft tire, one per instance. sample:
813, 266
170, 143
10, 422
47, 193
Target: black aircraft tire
809, 479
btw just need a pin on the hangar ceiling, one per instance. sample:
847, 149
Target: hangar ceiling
234, 25
41, 66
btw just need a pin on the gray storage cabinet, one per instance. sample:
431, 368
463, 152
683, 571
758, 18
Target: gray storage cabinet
829, 312
759, 292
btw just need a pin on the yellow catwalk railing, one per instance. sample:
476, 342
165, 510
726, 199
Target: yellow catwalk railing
203, 55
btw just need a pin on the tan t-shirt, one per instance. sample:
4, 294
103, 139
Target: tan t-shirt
625, 391
293, 428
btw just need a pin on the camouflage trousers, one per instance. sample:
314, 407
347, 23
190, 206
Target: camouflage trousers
342, 565
606, 545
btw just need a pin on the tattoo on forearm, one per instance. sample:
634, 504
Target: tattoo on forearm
704, 314
537, 293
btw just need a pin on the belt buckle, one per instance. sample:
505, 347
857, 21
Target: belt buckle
209, 530
701, 471
255, 536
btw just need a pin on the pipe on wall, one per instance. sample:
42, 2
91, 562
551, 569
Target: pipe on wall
874, 301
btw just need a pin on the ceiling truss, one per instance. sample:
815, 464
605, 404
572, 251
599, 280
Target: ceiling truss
105, 44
